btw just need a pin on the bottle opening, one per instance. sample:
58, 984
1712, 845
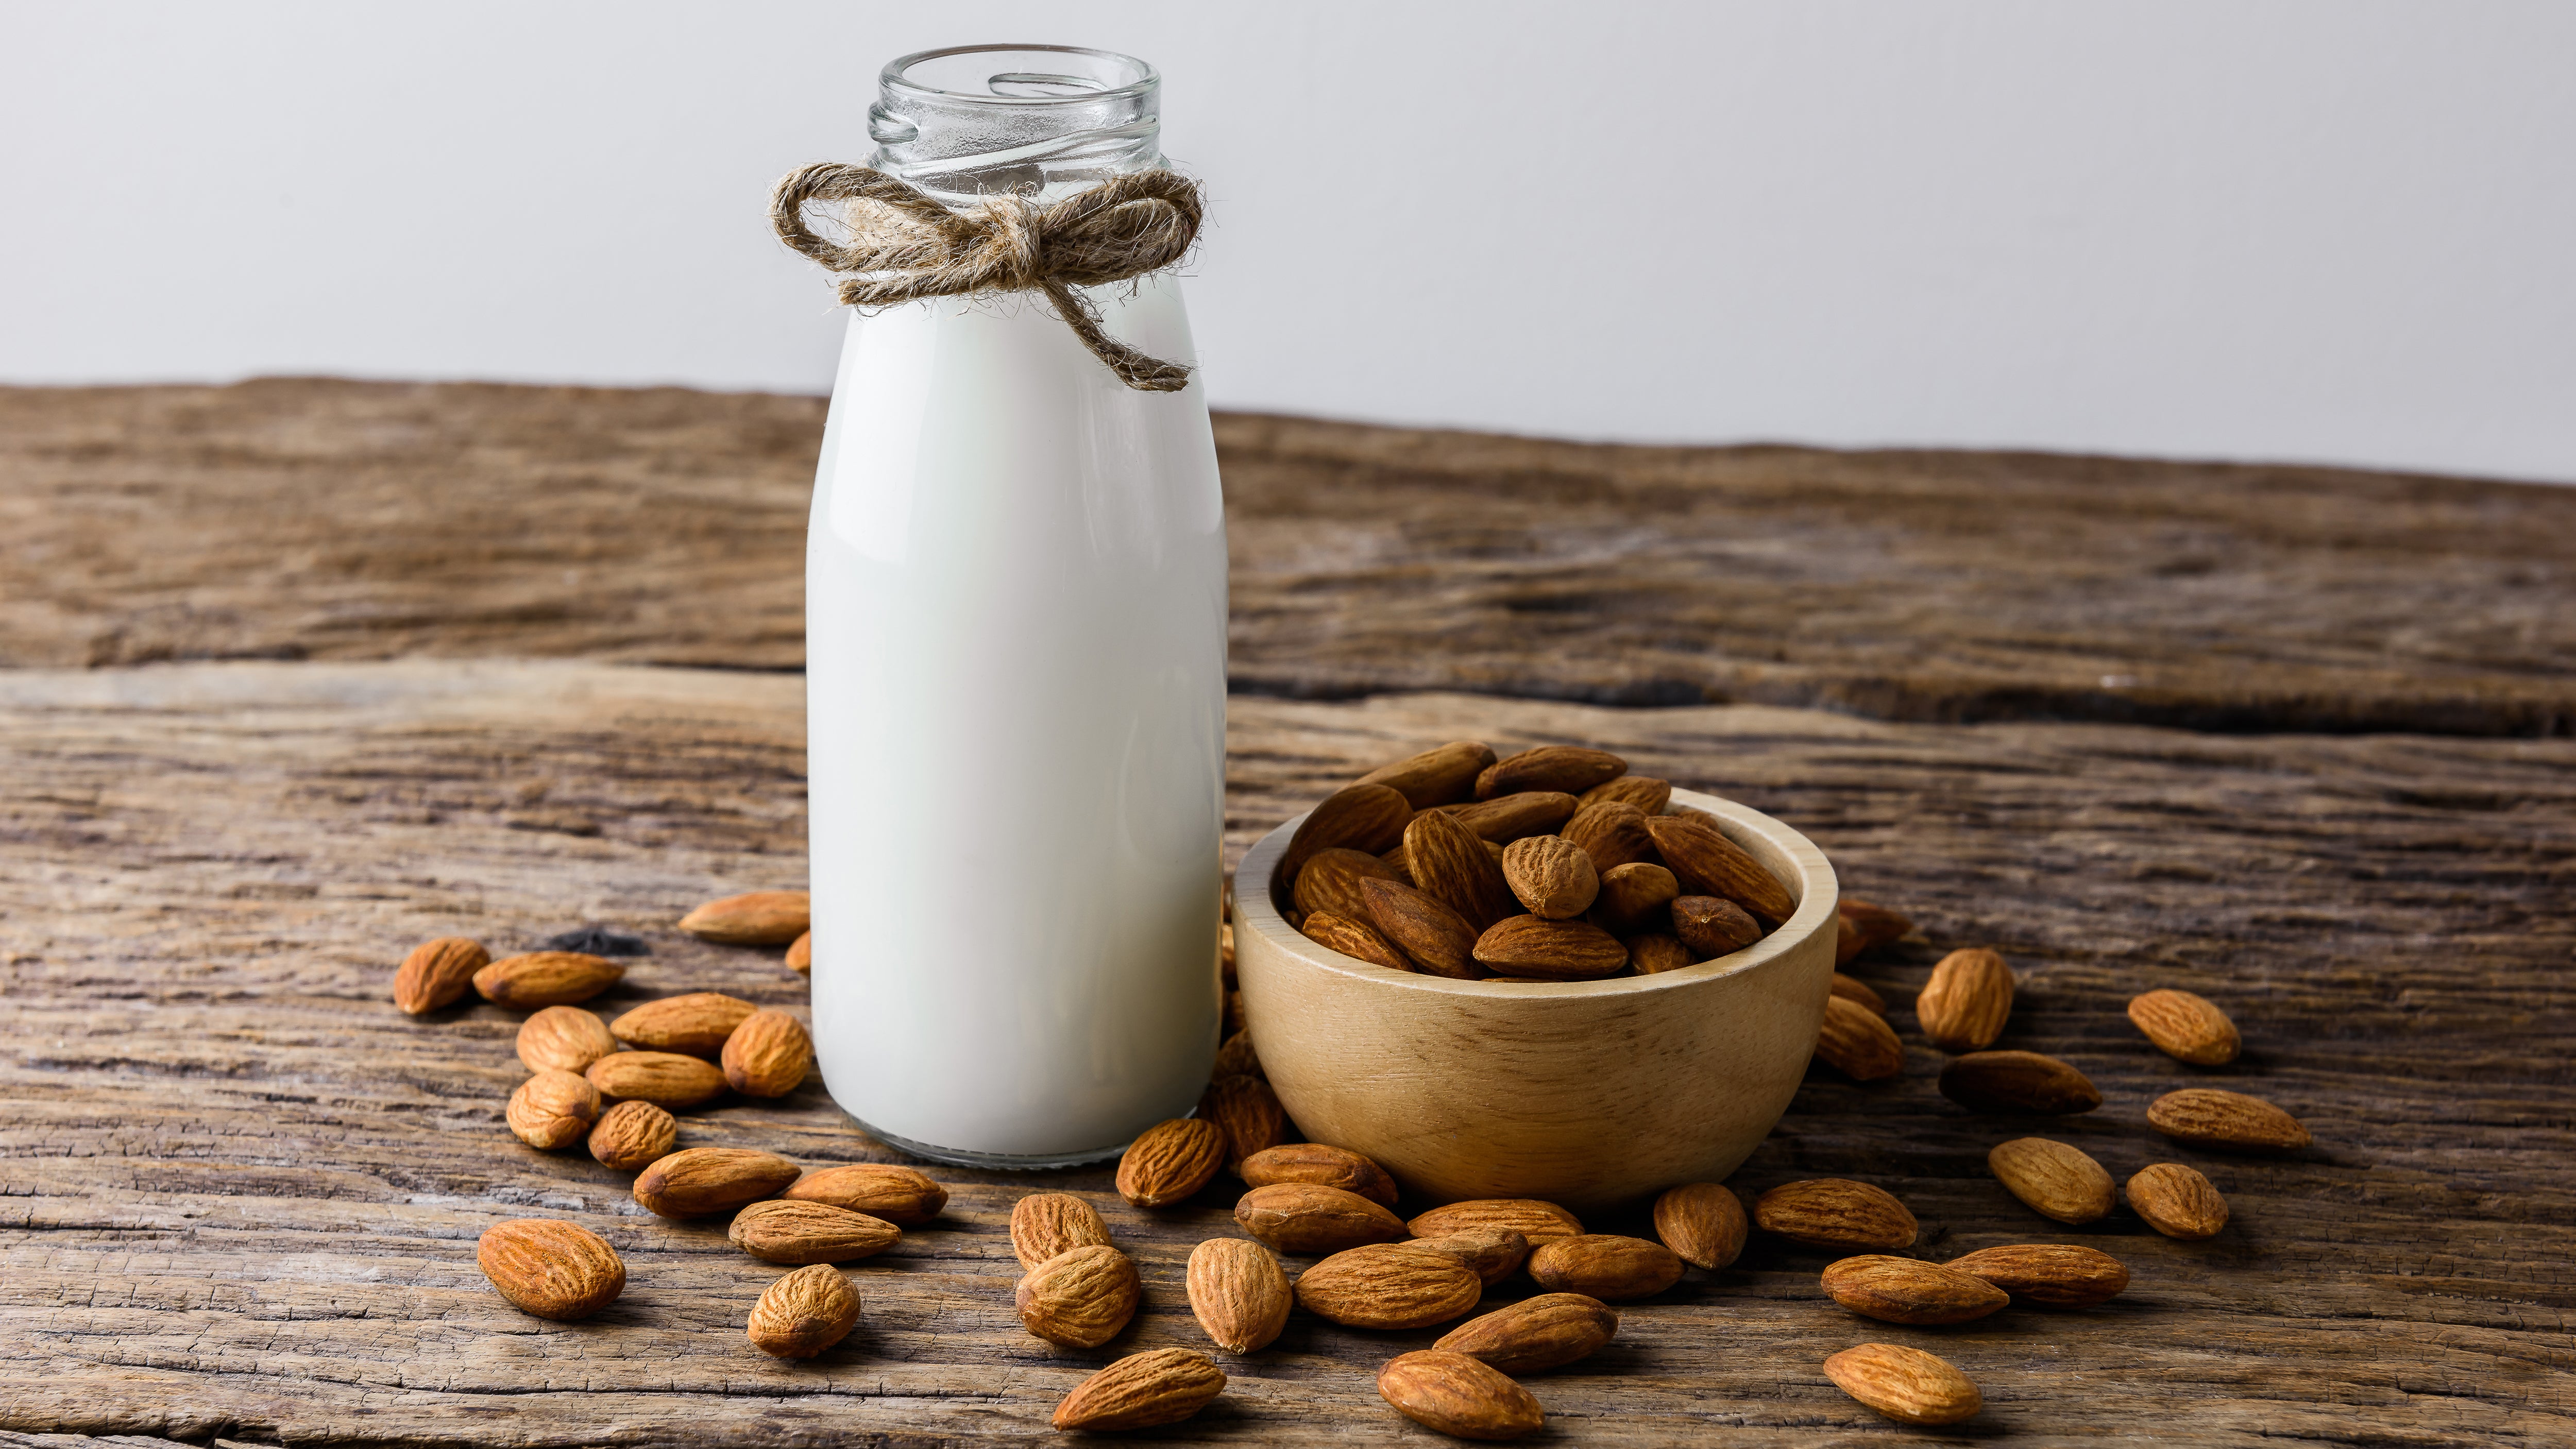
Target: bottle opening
1033, 120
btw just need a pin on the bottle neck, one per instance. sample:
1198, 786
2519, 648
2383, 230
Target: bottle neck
1037, 121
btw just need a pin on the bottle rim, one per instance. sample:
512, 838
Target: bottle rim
893, 79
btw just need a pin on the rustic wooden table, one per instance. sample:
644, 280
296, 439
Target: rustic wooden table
299, 673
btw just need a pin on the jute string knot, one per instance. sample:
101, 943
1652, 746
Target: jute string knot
905, 245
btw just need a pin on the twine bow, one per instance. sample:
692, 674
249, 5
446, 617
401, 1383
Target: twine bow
904, 246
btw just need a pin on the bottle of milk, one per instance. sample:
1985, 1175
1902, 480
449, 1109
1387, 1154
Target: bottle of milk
1015, 668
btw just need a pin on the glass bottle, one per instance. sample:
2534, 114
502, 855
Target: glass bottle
1015, 667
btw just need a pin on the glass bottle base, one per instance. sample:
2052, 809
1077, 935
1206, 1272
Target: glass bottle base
993, 1161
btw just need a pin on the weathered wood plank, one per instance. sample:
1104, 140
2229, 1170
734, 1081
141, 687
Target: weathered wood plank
336, 520
238, 1192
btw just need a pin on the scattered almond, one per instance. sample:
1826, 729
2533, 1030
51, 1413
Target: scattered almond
1648, 794
666, 1079
1835, 1212
1858, 1044
1142, 1390
1551, 876
1080, 1298
768, 1055
2024, 1082
1324, 1166
552, 1109
1250, 1114
1459, 1396
632, 1136
804, 1313
1303, 1217
800, 954
1389, 1285
2177, 1201
1353, 938
1635, 897
1493, 1254
1964, 1006
1534, 948
1655, 954
1437, 939
754, 918
1532, 1219
695, 1181
1502, 821
1368, 818
1236, 1057
551, 1269
1858, 994
546, 978
438, 973
1702, 1222
2054, 1179
1878, 926
899, 1195
2186, 1027
1848, 941
1443, 776
1611, 834
2055, 1275
1604, 1265
1330, 881
563, 1039
1046, 1225
1548, 1331
1171, 1160
1902, 1290
2208, 1117
1713, 926
1906, 1384
695, 1025
1238, 1293
780, 1231
1709, 864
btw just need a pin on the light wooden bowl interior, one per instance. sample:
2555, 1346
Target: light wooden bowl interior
1587, 1094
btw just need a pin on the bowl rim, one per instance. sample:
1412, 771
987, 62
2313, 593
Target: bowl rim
1818, 894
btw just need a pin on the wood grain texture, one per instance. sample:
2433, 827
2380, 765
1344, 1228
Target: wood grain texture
304, 518
242, 1190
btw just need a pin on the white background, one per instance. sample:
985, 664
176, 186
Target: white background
2338, 231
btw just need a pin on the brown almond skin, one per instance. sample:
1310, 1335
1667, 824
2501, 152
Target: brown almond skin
2049, 1274
804, 1313
1354, 939
1858, 994
1448, 863
1538, 812
1709, 864
768, 1055
1435, 938
632, 1136
550, 1269
696, 1181
2186, 1027
1367, 818
1313, 1162
1080, 1298
1238, 1293
1568, 768
1650, 795
1847, 941
1389, 1285
1142, 1391
754, 918
546, 978
552, 1109
1635, 897
1702, 1222
1877, 925
1046, 1225
2177, 1201
1906, 1384
1611, 834
1493, 1254
1713, 926
2019, 1082
665, 1079
1902, 1290
1443, 776
1548, 1331
1331, 880
899, 1195
1964, 1006
563, 1039
1170, 1161
1654, 954
780, 1231
1835, 1212
438, 973
1605, 1266
1529, 1217
694, 1025
1237, 1057
2053, 1179
1551, 876
2207, 1117
1534, 948
1302, 1217
800, 955
1459, 1396
1250, 1114
1858, 1044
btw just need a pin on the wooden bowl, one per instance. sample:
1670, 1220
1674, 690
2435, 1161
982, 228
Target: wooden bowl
1584, 1093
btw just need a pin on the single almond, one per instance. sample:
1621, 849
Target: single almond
1532, 1219
1605, 1266
804, 1313
1303, 1217
800, 954
1538, 812
551, 1269
2050, 1274
1141, 1391
781, 1231
1232, 1021
1635, 897
768, 1055
1080, 1298
1331, 880
2186, 1027
1964, 1006
1437, 940
563, 1039
1237, 1057
1045, 1225
1225, 954
1548, 1331
1443, 776
1859, 994
1857, 1043
1451, 865
1650, 795
1848, 941
1389, 1285
1878, 926
1354, 939
665, 1079
2022, 1082
1366, 818
1492, 1253
1535, 948
754, 918
1171, 1160
2207, 1117
697, 1181
1654, 954
632, 1136
1906, 1384
1902, 1290
1713, 926
1313, 1162
552, 1109
1550, 876
1709, 864
694, 1025
1611, 834
1702, 1222
1569, 768
546, 978
900, 1195
2054, 1179
1238, 1294
2177, 1201
1835, 1212
1459, 1396
1250, 1114
438, 973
